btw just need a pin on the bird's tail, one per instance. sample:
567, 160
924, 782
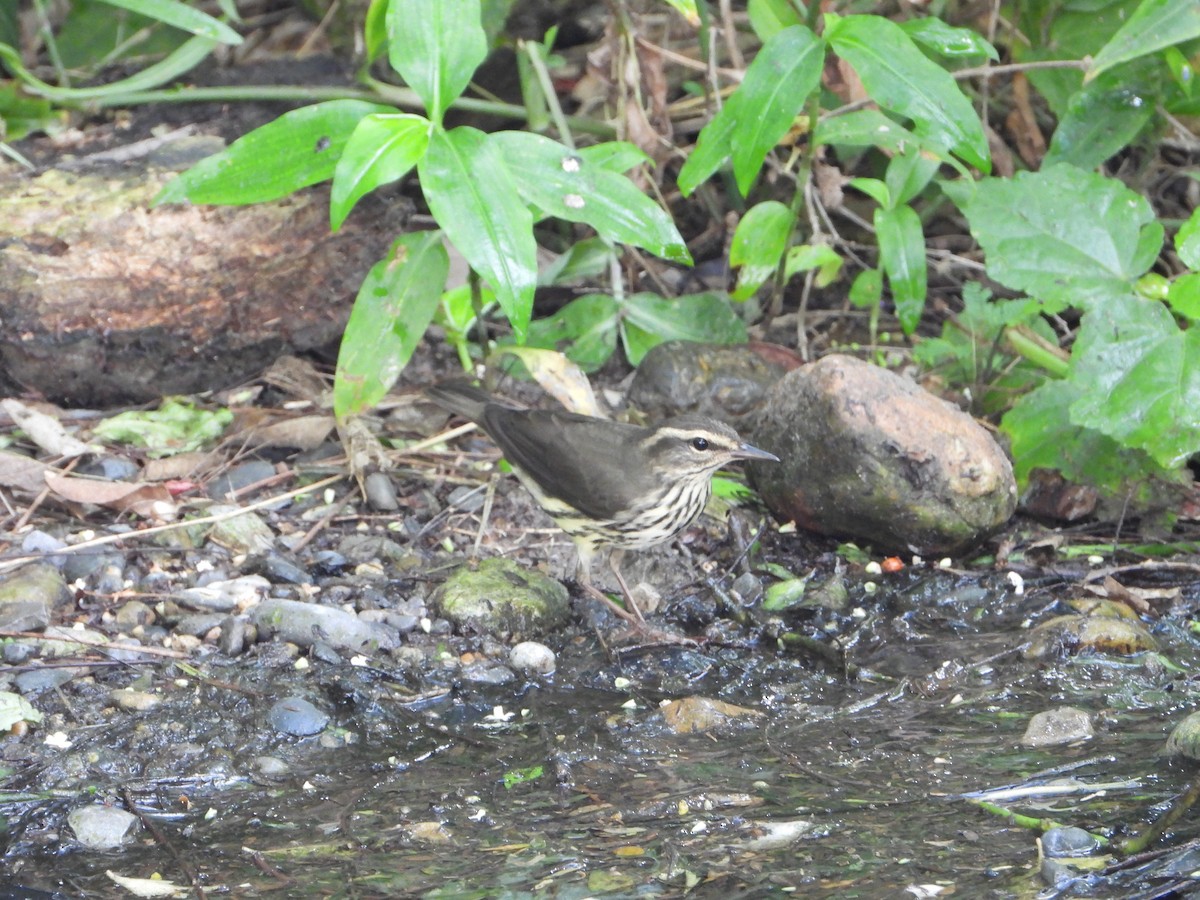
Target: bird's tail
460, 397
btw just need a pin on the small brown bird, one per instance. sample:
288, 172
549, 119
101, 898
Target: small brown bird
604, 482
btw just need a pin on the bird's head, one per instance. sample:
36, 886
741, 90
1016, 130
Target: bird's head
696, 446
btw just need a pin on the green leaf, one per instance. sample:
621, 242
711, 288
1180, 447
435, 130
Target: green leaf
900, 78
758, 244
183, 59
902, 257
1043, 436
948, 41
300, 148
177, 426
375, 36
585, 329
908, 173
776, 87
1187, 241
585, 259
1061, 234
804, 257
1155, 24
564, 184
1104, 116
1139, 374
712, 147
436, 46
873, 188
769, 17
871, 128
181, 16
650, 319
867, 289
382, 148
474, 199
393, 309
615, 156
1184, 296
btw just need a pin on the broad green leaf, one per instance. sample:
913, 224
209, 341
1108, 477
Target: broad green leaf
873, 188
1104, 116
1061, 234
1043, 436
1187, 241
393, 309
562, 183
299, 148
948, 41
21, 114
1155, 24
902, 257
900, 78
382, 148
871, 128
1181, 69
474, 199
776, 87
177, 426
822, 257
908, 173
585, 329
867, 289
712, 147
14, 709
769, 17
436, 46
588, 258
615, 156
1139, 376
650, 319
375, 36
181, 16
758, 244
1184, 296
183, 59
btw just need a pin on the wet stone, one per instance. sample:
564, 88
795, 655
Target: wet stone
500, 595
1052, 727
1185, 738
276, 567
40, 542
133, 613
532, 658
380, 492
234, 594
271, 767
466, 499
306, 623
134, 701
99, 827
233, 636
329, 562
199, 624
245, 533
296, 716
29, 597
87, 565
111, 468
488, 673
111, 579
37, 681
240, 476
866, 453
698, 714
1068, 841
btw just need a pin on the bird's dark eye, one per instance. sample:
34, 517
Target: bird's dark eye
699, 443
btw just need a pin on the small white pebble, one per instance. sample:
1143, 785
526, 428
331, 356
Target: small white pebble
359, 661
210, 814
621, 682
870, 587
1017, 582
873, 568
532, 657
58, 740
426, 624
945, 562
301, 664
329, 496
917, 561
1095, 560
629, 704
858, 613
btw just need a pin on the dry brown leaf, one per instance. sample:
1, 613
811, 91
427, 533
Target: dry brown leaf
22, 473
181, 465
44, 429
148, 500
300, 432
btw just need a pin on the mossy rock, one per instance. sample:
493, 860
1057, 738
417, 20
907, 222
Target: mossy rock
500, 596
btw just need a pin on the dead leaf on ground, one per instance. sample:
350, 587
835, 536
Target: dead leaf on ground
152, 501
21, 473
45, 430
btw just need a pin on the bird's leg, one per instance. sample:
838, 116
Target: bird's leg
584, 575
614, 562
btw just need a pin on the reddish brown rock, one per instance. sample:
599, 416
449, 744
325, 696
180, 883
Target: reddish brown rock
870, 455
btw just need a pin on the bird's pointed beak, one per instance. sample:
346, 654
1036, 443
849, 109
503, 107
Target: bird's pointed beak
745, 451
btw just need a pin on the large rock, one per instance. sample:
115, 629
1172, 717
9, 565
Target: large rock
871, 455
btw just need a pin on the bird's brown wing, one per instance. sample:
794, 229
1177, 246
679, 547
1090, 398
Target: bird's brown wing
582, 461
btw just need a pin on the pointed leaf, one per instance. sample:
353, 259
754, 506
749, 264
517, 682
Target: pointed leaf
299, 148
383, 148
474, 198
651, 319
393, 308
436, 46
1155, 24
1105, 115
902, 256
758, 244
567, 185
775, 89
712, 148
586, 327
181, 16
900, 78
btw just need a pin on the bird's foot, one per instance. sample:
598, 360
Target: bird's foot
638, 627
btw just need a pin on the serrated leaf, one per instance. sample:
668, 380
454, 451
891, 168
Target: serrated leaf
1104, 116
775, 88
650, 319
474, 199
1061, 234
300, 148
1155, 24
1139, 376
758, 244
900, 78
382, 148
181, 16
436, 46
394, 307
565, 184
902, 257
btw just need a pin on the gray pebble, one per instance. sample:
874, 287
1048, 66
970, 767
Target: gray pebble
240, 476
100, 827
381, 492
532, 657
37, 681
233, 636
295, 715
